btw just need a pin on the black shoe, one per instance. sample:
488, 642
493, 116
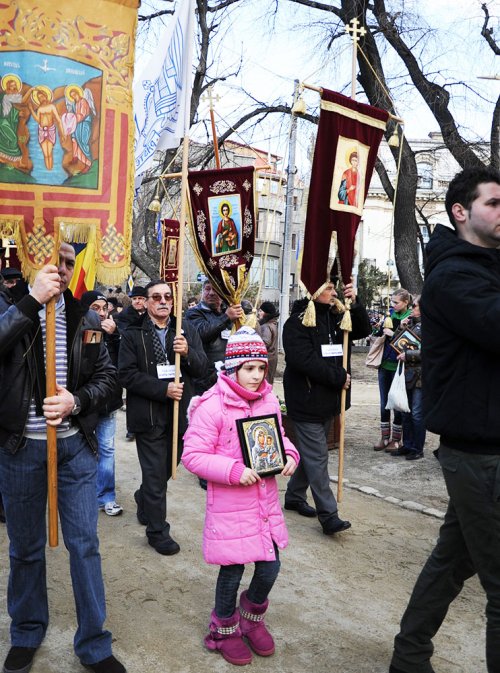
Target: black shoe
415, 455
402, 451
19, 660
108, 665
301, 508
203, 483
393, 669
140, 512
166, 546
335, 525
130, 436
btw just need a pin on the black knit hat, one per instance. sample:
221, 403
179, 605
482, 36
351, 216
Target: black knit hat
269, 309
10, 273
89, 297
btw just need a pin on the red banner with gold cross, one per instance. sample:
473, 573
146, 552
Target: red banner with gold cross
66, 129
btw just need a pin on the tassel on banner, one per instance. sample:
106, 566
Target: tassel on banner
251, 320
346, 322
388, 322
309, 318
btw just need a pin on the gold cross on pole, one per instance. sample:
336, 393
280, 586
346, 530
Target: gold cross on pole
212, 120
356, 31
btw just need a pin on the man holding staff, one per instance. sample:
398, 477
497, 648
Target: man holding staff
85, 379
147, 370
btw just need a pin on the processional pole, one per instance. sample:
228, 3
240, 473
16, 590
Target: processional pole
355, 30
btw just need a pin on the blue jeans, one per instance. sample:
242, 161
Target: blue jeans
385, 378
23, 484
413, 423
105, 433
229, 579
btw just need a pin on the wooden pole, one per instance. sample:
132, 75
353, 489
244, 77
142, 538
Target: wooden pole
345, 362
50, 365
50, 376
178, 305
356, 32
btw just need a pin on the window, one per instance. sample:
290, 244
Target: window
424, 180
294, 241
271, 276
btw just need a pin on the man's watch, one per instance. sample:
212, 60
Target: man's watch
77, 407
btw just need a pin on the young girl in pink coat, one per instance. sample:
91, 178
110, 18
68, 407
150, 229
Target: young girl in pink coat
244, 522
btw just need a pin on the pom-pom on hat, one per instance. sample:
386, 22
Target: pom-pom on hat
242, 346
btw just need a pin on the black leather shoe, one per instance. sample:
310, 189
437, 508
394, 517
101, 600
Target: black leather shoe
415, 455
108, 665
336, 525
166, 546
140, 512
19, 660
402, 451
393, 669
301, 508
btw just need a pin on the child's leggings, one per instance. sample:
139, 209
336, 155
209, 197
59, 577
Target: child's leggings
229, 579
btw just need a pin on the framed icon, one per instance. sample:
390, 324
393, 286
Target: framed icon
262, 444
405, 340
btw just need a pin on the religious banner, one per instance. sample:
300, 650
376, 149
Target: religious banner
66, 131
223, 227
169, 260
349, 135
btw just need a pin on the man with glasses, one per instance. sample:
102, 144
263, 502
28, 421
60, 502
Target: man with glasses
146, 369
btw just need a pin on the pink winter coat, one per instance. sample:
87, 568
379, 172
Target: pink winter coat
241, 522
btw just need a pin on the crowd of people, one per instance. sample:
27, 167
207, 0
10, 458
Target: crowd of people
227, 372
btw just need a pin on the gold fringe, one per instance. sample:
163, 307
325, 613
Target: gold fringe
388, 322
338, 305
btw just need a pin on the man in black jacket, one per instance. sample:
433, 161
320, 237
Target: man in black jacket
146, 370
460, 307
106, 427
214, 328
313, 380
85, 379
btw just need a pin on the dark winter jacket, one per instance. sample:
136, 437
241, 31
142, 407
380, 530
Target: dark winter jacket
413, 357
91, 376
129, 316
147, 401
312, 382
112, 342
460, 307
209, 324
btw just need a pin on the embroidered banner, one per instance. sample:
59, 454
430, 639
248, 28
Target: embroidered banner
169, 261
66, 131
349, 135
223, 227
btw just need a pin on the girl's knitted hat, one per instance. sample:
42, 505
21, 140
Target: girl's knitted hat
244, 345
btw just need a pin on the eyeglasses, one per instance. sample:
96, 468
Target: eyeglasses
158, 297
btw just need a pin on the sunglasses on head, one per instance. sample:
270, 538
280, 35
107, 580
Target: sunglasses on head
158, 297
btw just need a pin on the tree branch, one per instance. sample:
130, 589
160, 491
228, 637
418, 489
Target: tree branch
487, 33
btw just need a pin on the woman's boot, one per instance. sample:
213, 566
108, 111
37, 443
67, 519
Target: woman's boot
385, 429
225, 636
253, 626
395, 443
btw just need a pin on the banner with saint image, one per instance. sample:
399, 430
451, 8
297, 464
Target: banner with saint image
349, 134
66, 131
223, 227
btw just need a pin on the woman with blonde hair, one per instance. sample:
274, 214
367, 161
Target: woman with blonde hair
400, 309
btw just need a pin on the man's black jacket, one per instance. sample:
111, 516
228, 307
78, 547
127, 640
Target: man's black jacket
460, 308
91, 376
312, 382
147, 401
